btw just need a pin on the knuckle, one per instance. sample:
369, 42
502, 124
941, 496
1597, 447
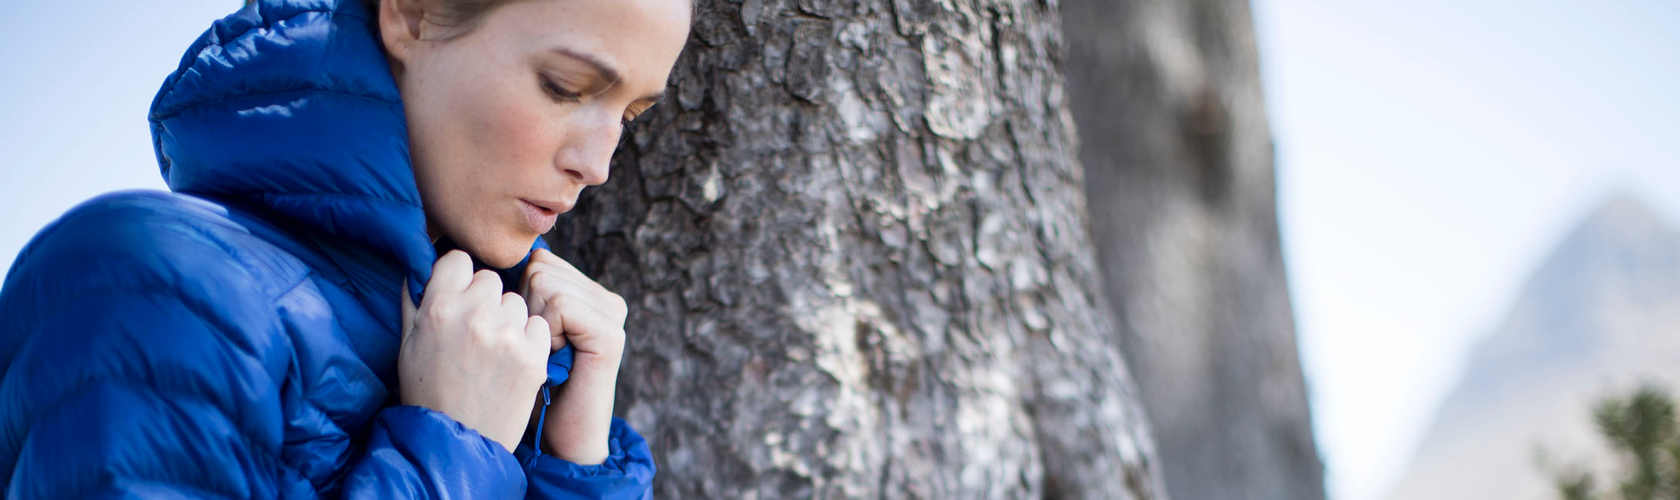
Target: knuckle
438, 314
529, 364
479, 311
505, 347
478, 344
482, 334
432, 313
534, 363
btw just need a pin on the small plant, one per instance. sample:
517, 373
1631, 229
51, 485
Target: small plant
1642, 432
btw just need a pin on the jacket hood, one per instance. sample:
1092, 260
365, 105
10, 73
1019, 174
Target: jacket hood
289, 106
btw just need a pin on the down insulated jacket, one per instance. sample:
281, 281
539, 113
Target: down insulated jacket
238, 338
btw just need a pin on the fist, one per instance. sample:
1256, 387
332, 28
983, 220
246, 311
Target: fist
472, 352
579, 311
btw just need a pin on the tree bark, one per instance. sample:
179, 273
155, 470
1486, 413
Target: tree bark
1178, 159
854, 243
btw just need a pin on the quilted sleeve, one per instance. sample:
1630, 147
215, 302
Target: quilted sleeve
627, 473
416, 452
139, 393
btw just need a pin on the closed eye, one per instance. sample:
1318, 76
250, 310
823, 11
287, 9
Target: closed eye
556, 92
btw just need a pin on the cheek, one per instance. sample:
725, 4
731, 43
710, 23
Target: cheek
513, 139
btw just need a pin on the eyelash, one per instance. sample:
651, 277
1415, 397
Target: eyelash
560, 94
556, 92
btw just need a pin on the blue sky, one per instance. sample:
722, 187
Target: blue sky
79, 76
1429, 154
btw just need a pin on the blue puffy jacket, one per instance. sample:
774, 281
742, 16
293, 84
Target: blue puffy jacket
238, 338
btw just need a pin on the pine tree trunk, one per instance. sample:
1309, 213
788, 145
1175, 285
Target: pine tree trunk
1178, 159
854, 243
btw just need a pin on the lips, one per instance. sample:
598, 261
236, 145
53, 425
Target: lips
540, 215
552, 206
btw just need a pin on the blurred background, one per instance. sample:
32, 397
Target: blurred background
1432, 156
1476, 202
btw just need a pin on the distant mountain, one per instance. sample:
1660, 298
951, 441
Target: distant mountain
1601, 315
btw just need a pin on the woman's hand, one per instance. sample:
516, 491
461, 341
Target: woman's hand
582, 313
472, 352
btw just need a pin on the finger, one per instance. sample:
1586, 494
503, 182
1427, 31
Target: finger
513, 309
556, 343
486, 286
536, 332
545, 260
549, 285
525, 281
556, 321
547, 279
544, 255
579, 282
562, 294
534, 264
579, 311
556, 326
584, 321
545, 301
450, 275
534, 298
584, 325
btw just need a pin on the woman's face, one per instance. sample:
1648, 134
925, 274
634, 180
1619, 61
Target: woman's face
510, 120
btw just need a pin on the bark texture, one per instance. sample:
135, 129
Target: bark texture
854, 243
1178, 162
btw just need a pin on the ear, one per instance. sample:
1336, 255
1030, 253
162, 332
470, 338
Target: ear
400, 23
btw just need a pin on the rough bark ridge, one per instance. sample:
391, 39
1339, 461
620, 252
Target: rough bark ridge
853, 239
1178, 159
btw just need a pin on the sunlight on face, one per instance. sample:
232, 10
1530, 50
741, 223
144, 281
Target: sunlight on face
509, 121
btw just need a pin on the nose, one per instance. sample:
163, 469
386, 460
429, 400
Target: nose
585, 157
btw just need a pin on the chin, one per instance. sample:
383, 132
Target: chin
501, 252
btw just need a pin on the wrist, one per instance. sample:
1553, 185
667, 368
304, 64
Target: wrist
593, 362
577, 432
580, 417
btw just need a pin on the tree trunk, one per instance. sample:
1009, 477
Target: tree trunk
1178, 159
854, 243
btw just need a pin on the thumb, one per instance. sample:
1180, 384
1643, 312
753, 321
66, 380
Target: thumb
408, 311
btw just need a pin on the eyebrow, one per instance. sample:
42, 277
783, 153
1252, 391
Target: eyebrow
605, 70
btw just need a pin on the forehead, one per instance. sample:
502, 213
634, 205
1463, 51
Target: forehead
639, 39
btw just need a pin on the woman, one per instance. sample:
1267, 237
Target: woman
282, 325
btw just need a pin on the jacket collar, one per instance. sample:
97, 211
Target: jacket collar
289, 107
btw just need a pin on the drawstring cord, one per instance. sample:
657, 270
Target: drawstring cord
536, 442
559, 369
